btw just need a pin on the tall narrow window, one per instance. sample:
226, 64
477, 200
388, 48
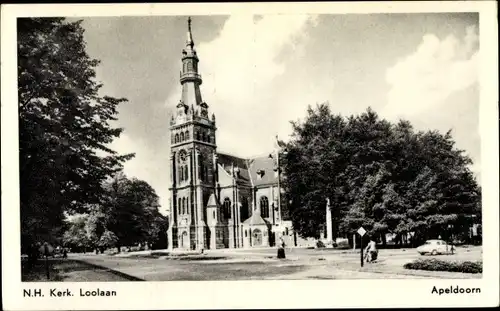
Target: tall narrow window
264, 207
179, 207
185, 172
197, 135
182, 136
176, 138
186, 136
203, 137
244, 209
201, 168
227, 208
183, 205
182, 173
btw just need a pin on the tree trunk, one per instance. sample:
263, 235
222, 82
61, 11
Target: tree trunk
384, 239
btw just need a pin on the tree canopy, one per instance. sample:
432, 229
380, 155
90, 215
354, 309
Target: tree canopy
383, 176
128, 215
64, 126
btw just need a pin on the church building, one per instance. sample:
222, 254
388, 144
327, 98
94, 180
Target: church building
218, 200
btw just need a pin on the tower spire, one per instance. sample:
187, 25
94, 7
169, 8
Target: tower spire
189, 41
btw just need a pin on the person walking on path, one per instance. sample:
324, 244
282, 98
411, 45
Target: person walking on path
281, 249
371, 251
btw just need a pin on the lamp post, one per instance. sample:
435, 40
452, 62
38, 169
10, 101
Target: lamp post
278, 170
450, 228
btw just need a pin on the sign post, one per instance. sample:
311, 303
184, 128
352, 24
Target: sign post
361, 232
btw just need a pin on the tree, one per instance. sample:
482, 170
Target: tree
108, 239
76, 236
131, 211
382, 176
64, 126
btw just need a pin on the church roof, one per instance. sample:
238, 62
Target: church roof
255, 219
252, 172
227, 161
265, 166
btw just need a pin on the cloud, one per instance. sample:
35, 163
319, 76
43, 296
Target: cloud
240, 69
436, 88
438, 68
146, 165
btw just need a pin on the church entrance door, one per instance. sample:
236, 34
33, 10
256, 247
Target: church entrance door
257, 237
184, 240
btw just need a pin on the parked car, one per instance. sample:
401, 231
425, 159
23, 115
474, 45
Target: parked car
435, 247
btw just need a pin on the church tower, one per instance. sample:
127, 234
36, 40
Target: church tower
192, 159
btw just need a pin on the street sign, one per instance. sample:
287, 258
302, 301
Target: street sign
361, 231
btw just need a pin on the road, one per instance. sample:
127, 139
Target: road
261, 264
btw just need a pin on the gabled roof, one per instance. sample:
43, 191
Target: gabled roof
227, 161
255, 219
212, 201
267, 166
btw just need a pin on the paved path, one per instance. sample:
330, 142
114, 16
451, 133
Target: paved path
262, 265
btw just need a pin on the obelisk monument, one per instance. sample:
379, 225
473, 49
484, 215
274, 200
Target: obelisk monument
329, 229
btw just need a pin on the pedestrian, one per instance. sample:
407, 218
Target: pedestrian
281, 249
371, 251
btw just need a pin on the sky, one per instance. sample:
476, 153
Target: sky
261, 72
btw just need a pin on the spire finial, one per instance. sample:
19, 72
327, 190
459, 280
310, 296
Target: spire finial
189, 34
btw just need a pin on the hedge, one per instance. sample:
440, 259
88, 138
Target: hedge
449, 266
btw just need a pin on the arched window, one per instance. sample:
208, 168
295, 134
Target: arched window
203, 137
186, 136
182, 174
205, 173
179, 207
183, 205
197, 135
176, 138
227, 208
182, 136
264, 207
185, 172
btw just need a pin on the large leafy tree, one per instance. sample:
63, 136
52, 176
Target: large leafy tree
64, 126
129, 214
130, 211
382, 176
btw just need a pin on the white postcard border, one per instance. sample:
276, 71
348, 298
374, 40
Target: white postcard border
253, 294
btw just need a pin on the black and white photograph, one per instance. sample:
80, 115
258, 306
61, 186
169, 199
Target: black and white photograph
236, 147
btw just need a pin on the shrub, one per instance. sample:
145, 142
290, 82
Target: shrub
449, 266
320, 244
